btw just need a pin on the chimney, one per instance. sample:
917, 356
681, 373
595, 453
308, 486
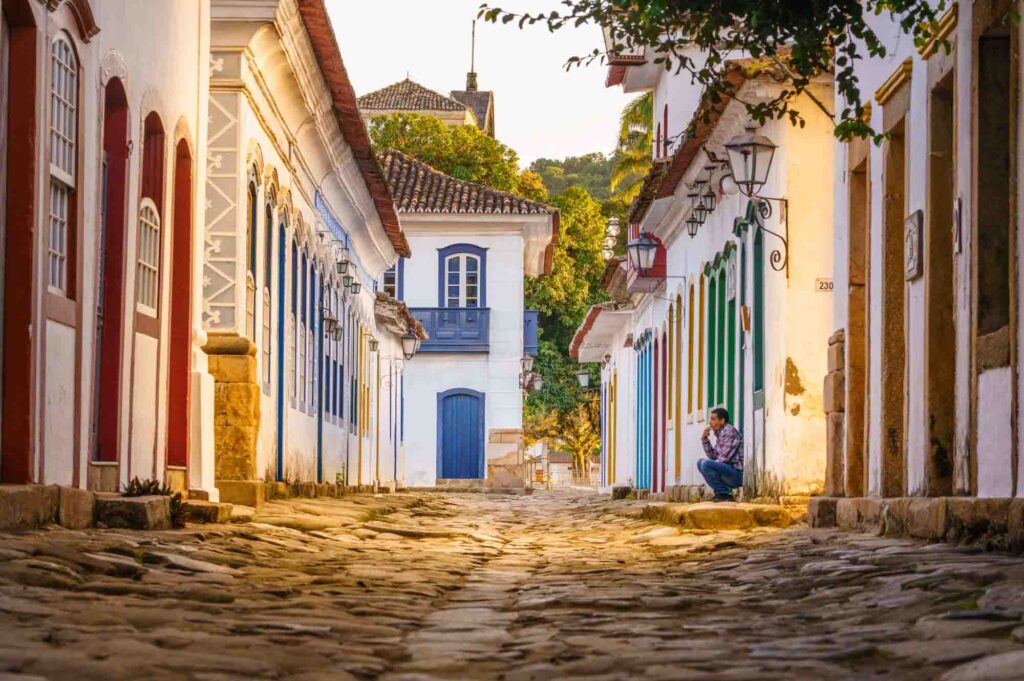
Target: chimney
471, 81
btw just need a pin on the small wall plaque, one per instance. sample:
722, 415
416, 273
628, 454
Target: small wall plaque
824, 285
912, 252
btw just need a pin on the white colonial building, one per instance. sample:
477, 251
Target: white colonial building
735, 309
473, 246
180, 183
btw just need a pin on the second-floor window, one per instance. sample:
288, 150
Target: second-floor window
391, 281
63, 155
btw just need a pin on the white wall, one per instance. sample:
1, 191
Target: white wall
496, 373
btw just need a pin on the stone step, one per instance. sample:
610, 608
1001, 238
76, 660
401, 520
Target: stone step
198, 511
719, 516
134, 513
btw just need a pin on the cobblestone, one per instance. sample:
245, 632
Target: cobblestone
422, 586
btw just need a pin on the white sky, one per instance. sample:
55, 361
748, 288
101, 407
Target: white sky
540, 109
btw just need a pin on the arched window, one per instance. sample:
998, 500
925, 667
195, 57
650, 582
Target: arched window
294, 329
720, 332
63, 167
250, 251
301, 342
462, 276
147, 269
148, 236
268, 245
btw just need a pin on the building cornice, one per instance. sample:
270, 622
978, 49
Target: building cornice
893, 83
946, 26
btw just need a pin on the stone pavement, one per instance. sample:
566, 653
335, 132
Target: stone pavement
421, 586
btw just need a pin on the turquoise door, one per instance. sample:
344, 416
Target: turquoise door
460, 434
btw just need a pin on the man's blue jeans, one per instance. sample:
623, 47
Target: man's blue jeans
721, 477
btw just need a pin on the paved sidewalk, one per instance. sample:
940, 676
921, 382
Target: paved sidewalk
556, 585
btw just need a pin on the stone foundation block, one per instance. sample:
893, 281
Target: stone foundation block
242, 492
894, 517
821, 512
714, 516
206, 512
76, 508
835, 445
971, 520
620, 491
199, 494
1015, 526
836, 357
859, 513
134, 513
926, 518
26, 506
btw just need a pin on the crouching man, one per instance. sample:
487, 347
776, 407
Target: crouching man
723, 469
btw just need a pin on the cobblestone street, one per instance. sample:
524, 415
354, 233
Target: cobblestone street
550, 586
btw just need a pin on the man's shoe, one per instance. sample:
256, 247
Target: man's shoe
722, 497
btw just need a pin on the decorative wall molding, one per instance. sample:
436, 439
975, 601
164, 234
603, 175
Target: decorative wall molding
81, 10
221, 244
893, 83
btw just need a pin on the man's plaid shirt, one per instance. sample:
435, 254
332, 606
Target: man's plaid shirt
728, 447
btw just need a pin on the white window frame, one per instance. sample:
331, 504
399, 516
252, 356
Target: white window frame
63, 158
463, 297
147, 249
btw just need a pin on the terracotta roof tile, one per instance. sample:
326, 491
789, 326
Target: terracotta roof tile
343, 99
480, 101
418, 188
407, 95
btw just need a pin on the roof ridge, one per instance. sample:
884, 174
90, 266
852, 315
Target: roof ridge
416, 96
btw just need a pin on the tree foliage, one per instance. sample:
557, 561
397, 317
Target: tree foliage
634, 147
575, 430
592, 172
802, 37
462, 151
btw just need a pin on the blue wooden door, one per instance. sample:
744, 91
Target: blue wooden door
460, 424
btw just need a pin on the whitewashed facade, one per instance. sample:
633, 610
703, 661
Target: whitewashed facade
472, 247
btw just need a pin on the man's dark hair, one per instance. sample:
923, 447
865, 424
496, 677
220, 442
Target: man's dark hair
722, 413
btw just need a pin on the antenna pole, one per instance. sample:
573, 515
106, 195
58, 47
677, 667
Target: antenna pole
472, 50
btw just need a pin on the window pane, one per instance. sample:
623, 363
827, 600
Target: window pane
472, 263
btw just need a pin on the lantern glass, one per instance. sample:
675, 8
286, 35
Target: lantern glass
692, 226
707, 200
356, 286
347, 280
583, 378
409, 345
750, 160
337, 333
641, 252
341, 267
374, 344
538, 382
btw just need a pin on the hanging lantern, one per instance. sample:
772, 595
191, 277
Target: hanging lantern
526, 363
355, 287
347, 280
692, 226
373, 344
697, 209
341, 267
708, 201
337, 333
409, 344
641, 252
583, 378
538, 382
613, 227
750, 159
330, 323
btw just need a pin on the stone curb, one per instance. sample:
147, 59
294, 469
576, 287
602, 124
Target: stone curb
996, 524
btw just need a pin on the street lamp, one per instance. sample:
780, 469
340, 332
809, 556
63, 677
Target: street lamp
373, 343
697, 207
526, 363
692, 226
347, 280
642, 251
355, 287
409, 344
538, 382
750, 160
583, 377
330, 322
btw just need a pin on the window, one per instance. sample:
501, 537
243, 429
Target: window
294, 330
311, 340
689, 353
63, 154
462, 276
267, 269
302, 390
391, 282
148, 248
250, 249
